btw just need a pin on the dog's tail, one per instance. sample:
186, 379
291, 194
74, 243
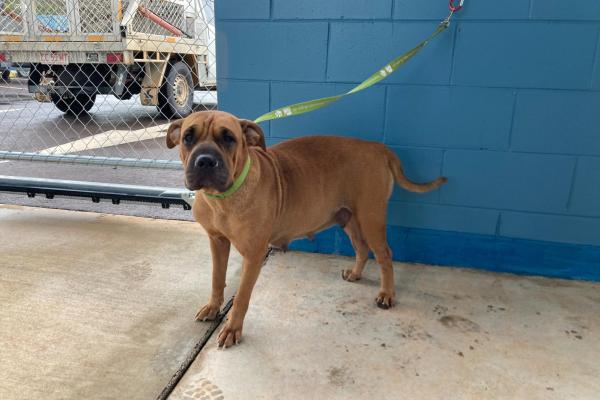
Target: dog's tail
403, 181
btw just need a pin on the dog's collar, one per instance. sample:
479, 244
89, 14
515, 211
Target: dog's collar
236, 184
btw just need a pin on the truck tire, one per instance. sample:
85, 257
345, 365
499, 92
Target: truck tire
176, 95
79, 104
6, 76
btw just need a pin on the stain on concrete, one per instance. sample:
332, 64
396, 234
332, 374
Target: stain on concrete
440, 310
492, 308
412, 331
460, 323
138, 271
573, 333
347, 313
339, 376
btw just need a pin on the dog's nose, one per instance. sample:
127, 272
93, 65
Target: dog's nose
206, 161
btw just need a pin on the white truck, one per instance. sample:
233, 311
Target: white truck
159, 49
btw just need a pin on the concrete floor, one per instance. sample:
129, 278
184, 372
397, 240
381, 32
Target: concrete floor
454, 334
101, 307
97, 306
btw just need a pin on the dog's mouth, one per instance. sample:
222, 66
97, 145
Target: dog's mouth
217, 184
207, 169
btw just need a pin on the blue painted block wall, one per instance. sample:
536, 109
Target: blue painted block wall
505, 103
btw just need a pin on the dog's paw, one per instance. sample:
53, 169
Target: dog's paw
385, 300
349, 275
208, 312
230, 334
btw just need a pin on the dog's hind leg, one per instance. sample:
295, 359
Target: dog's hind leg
373, 229
361, 250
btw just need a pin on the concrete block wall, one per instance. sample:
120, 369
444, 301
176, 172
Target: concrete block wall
505, 103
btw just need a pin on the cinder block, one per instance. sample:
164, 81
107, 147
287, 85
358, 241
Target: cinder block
513, 181
449, 116
242, 9
551, 121
569, 10
359, 115
585, 199
420, 10
529, 55
359, 49
444, 218
244, 99
271, 51
554, 228
332, 9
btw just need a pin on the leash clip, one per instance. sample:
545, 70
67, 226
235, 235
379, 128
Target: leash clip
454, 8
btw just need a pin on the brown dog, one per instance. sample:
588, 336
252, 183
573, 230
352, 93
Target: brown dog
294, 189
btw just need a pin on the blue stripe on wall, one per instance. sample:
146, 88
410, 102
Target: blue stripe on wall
493, 253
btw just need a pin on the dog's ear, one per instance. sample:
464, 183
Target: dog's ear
174, 133
254, 135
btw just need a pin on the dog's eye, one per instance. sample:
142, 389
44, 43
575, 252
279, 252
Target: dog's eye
228, 137
188, 138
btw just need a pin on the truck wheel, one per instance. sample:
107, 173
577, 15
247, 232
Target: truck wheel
176, 95
79, 104
6, 76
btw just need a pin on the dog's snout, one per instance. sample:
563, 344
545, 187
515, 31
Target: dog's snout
207, 168
206, 161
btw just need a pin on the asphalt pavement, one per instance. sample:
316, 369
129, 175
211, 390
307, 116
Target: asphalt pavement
113, 128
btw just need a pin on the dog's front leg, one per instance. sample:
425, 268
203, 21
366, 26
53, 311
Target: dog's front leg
232, 331
219, 248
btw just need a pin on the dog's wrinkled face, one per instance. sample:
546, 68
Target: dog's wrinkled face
213, 148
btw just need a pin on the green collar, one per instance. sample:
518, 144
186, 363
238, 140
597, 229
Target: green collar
236, 184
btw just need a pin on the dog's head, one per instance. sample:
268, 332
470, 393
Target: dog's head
213, 147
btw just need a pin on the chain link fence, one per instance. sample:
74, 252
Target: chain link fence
97, 81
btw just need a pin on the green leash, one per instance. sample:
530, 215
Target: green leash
387, 70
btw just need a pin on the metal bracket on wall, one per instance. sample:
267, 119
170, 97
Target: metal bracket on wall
94, 190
